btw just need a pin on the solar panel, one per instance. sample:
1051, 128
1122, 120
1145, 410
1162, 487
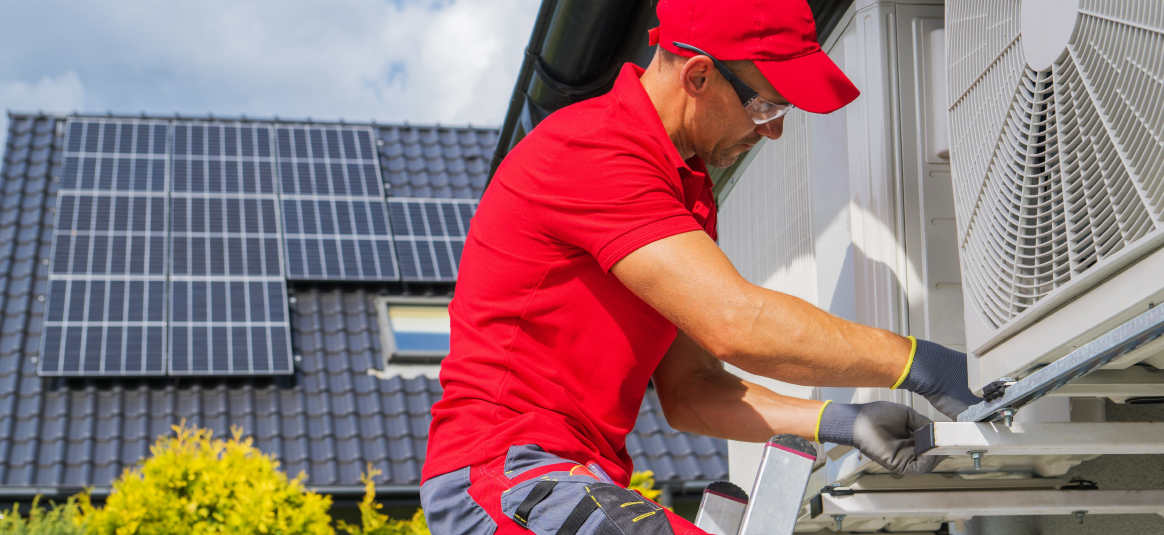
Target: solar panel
228, 304
106, 311
429, 235
335, 224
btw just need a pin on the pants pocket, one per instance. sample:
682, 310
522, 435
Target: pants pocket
450, 510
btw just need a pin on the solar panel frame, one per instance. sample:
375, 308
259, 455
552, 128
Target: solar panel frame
228, 306
328, 175
121, 277
113, 256
430, 235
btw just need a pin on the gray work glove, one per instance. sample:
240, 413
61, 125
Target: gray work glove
881, 430
939, 374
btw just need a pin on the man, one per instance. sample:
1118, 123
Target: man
591, 268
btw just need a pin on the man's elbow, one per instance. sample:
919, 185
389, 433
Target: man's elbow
679, 414
676, 402
727, 343
731, 334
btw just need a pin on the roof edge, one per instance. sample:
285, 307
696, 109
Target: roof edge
10, 492
242, 119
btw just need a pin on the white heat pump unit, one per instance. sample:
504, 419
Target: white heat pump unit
1057, 146
854, 213
1055, 174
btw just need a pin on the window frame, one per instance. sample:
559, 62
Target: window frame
390, 355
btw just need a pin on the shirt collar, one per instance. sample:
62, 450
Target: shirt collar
629, 90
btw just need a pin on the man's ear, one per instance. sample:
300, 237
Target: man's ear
695, 76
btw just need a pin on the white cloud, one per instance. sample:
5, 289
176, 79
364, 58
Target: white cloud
64, 92
421, 61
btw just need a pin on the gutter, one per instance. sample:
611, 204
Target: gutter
342, 491
357, 491
53, 493
339, 491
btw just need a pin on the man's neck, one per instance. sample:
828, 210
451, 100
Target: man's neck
670, 103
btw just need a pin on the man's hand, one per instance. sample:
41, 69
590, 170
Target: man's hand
881, 430
939, 374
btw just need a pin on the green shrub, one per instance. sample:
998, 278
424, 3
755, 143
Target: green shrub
644, 482
373, 522
59, 519
195, 484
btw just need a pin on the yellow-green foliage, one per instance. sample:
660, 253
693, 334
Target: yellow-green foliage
63, 519
373, 522
195, 484
644, 482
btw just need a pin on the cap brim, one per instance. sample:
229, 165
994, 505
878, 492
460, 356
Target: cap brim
811, 82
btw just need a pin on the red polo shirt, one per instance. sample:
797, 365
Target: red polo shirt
548, 347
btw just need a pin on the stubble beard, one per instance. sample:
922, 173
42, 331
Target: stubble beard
721, 156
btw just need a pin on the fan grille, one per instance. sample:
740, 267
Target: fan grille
1055, 170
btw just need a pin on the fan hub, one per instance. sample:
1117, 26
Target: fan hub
1047, 27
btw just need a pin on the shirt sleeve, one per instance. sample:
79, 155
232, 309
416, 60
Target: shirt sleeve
624, 206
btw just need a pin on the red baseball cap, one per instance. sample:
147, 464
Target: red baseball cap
779, 36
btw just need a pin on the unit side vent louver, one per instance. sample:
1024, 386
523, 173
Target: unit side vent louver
765, 225
1058, 142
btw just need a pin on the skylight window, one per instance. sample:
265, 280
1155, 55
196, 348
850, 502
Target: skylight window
414, 331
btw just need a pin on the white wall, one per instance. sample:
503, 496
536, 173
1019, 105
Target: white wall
848, 211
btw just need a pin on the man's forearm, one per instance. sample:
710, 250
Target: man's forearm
789, 339
699, 396
730, 408
689, 280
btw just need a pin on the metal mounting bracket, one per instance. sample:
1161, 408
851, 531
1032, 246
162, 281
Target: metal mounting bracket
1141, 329
1041, 438
1134, 381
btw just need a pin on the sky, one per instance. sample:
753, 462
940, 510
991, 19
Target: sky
423, 61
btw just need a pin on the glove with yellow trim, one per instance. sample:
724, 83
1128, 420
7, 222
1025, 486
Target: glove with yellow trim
938, 374
881, 430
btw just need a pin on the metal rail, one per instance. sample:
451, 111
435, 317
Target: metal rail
1140, 330
1041, 438
966, 504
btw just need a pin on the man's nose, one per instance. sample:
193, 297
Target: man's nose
771, 129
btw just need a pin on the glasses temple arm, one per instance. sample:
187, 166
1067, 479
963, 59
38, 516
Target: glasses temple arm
745, 93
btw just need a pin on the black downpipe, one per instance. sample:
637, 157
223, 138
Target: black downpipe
517, 101
575, 62
573, 55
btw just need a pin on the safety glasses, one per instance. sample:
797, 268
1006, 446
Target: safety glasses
759, 109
